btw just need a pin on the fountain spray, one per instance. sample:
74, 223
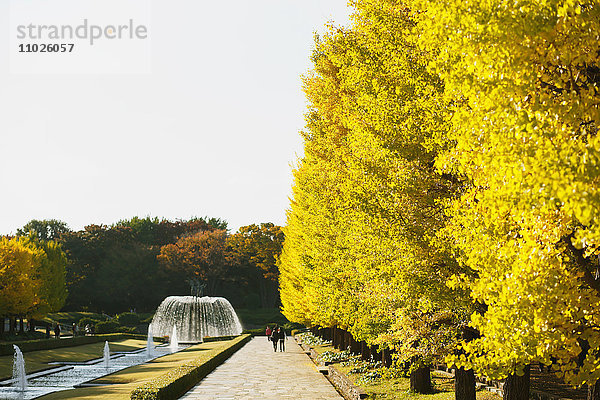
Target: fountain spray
19, 375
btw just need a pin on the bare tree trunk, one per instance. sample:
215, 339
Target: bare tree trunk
355, 346
464, 380
420, 380
376, 355
386, 357
464, 384
593, 392
365, 352
517, 387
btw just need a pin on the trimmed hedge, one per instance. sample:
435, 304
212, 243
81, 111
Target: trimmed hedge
177, 381
107, 326
128, 319
6, 348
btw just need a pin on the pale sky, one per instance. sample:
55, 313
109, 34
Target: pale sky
212, 131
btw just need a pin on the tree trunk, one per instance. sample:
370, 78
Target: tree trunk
339, 337
464, 380
12, 325
333, 338
355, 346
345, 339
2, 325
464, 386
517, 387
31, 324
365, 353
21, 325
420, 380
386, 356
375, 354
593, 392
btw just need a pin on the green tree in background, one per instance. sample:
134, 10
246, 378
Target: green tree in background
256, 248
47, 229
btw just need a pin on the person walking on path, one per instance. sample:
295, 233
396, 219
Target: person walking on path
274, 338
57, 331
254, 372
268, 332
282, 338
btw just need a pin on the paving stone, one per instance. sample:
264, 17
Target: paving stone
257, 372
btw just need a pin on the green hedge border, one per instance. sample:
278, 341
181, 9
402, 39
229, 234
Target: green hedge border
49, 344
175, 382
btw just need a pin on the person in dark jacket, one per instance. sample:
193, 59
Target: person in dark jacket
274, 338
282, 338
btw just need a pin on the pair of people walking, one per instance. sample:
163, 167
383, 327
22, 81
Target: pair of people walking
277, 335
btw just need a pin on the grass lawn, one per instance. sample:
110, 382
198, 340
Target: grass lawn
38, 360
397, 388
121, 384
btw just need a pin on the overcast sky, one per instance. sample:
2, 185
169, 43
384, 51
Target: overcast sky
212, 131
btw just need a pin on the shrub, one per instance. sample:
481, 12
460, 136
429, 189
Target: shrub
255, 332
85, 320
334, 356
312, 340
128, 319
127, 329
290, 326
107, 327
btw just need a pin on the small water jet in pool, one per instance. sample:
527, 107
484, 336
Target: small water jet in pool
174, 342
19, 375
106, 355
196, 317
150, 342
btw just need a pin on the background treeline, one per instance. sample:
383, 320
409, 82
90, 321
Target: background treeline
134, 264
447, 206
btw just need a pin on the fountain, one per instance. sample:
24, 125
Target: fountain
196, 317
106, 355
67, 375
19, 375
149, 342
174, 343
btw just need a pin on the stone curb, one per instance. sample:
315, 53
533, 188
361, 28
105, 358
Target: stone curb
342, 384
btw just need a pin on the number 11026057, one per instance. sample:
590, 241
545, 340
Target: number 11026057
46, 48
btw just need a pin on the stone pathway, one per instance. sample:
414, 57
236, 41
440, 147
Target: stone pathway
256, 372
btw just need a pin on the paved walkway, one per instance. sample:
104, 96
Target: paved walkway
255, 372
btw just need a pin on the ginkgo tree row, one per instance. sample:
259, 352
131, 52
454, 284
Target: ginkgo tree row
32, 278
446, 205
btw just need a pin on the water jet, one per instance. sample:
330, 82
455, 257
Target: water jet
195, 318
19, 375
